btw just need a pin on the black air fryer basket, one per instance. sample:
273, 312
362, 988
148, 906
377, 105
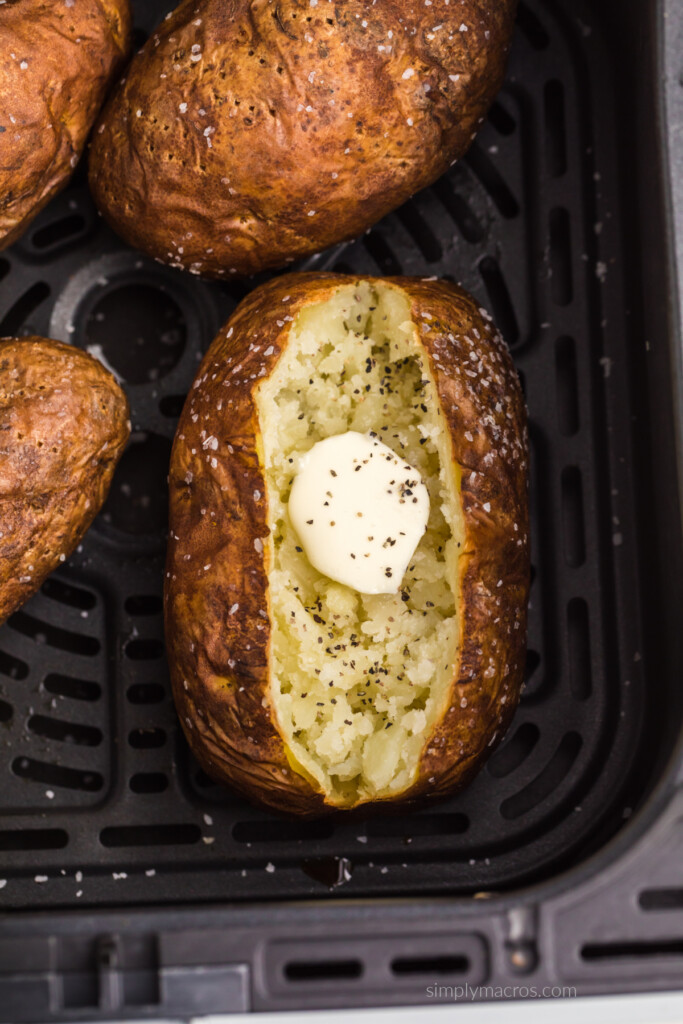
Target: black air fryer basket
130, 884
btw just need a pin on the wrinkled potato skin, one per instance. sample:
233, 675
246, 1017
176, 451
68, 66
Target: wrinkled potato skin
219, 662
298, 133
50, 93
63, 427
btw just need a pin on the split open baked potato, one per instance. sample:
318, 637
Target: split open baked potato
57, 58
63, 427
251, 133
302, 692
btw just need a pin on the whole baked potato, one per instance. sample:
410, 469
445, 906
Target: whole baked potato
63, 427
57, 58
248, 133
298, 680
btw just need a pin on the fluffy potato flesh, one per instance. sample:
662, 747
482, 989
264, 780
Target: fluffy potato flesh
358, 681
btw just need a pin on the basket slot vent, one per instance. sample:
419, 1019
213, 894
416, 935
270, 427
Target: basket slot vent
503, 309
661, 899
144, 649
501, 119
547, 781
57, 775
493, 182
15, 318
578, 641
460, 211
147, 739
65, 732
281, 831
378, 248
555, 128
60, 232
146, 693
514, 751
172, 406
567, 386
13, 667
532, 28
67, 593
419, 825
150, 835
144, 604
149, 782
561, 283
33, 839
533, 661
54, 636
76, 689
420, 232
573, 529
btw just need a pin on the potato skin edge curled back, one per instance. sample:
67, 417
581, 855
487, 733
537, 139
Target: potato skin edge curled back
64, 422
219, 661
247, 134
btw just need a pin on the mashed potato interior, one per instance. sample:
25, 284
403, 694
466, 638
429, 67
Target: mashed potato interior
359, 680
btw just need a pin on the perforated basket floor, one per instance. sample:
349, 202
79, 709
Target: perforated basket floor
100, 801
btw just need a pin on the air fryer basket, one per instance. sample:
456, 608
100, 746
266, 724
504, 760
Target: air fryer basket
556, 220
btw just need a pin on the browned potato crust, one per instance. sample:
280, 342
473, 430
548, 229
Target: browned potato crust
217, 565
63, 426
248, 134
56, 60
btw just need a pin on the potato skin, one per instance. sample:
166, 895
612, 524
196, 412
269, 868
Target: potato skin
249, 133
56, 61
63, 426
219, 662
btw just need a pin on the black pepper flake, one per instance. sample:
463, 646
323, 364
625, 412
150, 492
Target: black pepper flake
332, 473
309, 522
297, 548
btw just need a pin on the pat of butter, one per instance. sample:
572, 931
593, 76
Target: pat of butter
359, 511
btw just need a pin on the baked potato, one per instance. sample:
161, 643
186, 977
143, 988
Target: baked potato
63, 426
299, 691
57, 58
251, 133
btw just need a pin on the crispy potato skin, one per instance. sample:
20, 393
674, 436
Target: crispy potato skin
63, 427
219, 662
249, 133
56, 61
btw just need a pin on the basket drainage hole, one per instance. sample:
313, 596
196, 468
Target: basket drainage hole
139, 330
323, 970
430, 965
138, 499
